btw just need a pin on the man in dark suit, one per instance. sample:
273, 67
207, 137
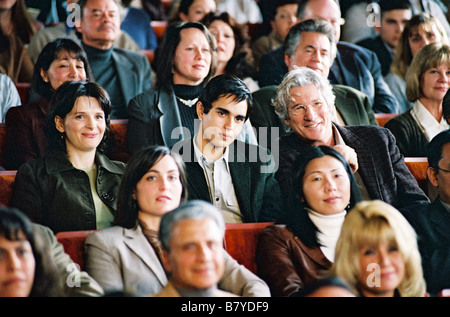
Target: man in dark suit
353, 65
378, 166
393, 16
122, 73
310, 44
432, 223
238, 178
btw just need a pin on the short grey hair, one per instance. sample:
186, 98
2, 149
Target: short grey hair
300, 77
312, 25
193, 209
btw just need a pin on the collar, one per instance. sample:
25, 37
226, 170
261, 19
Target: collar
427, 123
201, 159
57, 162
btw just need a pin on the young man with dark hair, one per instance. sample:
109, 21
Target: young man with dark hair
238, 178
393, 16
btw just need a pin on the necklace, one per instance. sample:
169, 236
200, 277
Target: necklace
189, 102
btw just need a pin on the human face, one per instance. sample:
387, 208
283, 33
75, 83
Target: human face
100, 25
65, 67
314, 124
196, 257
392, 25
159, 190
225, 40
285, 18
83, 126
17, 266
419, 37
7, 4
223, 123
389, 270
313, 51
434, 83
440, 178
326, 185
192, 59
327, 10
198, 10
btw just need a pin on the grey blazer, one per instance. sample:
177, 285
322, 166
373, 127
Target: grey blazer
121, 259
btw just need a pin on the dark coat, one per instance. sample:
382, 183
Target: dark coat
53, 193
376, 45
257, 192
431, 223
381, 165
25, 137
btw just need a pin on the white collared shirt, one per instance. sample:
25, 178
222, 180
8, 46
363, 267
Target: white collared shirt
427, 123
220, 184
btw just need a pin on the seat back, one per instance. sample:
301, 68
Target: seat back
241, 241
382, 118
6, 185
73, 243
418, 168
119, 129
24, 91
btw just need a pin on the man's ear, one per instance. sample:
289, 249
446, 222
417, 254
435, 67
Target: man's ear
166, 261
287, 61
287, 121
432, 176
199, 108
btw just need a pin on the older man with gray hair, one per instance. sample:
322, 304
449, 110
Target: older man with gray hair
192, 240
305, 104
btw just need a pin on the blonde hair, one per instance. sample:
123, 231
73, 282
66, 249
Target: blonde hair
429, 56
403, 56
370, 223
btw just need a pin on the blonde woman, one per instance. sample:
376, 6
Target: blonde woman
427, 82
421, 30
377, 253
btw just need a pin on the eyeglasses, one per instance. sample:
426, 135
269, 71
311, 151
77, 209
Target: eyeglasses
300, 110
441, 169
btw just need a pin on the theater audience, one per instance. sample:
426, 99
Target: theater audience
433, 220
60, 61
297, 252
421, 30
352, 66
122, 73
282, 18
26, 269
377, 253
243, 11
303, 43
67, 29
427, 82
238, 178
192, 239
165, 115
234, 56
74, 186
9, 96
383, 176
128, 257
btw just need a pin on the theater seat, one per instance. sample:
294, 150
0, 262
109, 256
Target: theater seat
241, 241
418, 168
73, 243
6, 184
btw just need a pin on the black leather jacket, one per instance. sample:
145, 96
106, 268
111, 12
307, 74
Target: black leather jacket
52, 192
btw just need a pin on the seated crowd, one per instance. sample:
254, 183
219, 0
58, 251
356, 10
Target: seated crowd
240, 112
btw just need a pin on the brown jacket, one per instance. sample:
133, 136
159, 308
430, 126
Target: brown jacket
285, 263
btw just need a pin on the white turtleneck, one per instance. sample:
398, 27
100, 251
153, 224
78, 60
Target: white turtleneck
329, 229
